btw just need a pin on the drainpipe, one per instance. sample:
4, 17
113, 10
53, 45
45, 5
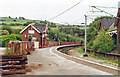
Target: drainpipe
42, 39
28, 41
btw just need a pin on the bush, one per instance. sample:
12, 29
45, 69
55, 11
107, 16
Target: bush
91, 34
16, 31
103, 42
53, 35
6, 38
4, 32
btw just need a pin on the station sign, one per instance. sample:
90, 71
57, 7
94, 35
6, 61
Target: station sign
31, 31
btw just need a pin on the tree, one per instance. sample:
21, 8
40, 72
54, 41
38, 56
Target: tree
103, 42
9, 17
91, 34
6, 38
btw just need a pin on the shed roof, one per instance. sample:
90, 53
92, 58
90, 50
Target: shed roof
107, 22
38, 28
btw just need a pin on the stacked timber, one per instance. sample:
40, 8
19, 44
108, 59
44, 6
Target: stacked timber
13, 64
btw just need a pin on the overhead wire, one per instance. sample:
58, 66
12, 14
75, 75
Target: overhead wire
66, 10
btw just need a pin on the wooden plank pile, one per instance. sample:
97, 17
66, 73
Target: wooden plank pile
13, 64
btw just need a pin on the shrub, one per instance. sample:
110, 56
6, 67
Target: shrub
4, 32
16, 31
91, 34
103, 42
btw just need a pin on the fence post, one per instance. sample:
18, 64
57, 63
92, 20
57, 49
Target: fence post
12, 47
21, 48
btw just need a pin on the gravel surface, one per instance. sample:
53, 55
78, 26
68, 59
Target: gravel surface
72, 52
44, 62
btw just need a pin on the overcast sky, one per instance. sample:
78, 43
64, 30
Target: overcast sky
46, 9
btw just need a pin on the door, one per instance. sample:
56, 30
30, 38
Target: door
36, 45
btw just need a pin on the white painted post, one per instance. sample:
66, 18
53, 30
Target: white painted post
85, 54
118, 4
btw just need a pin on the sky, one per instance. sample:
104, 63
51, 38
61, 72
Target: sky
47, 9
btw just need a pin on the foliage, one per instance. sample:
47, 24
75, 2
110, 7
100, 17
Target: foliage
53, 36
8, 28
51, 33
78, 31
103, 42
91, 34
4, 32
16, 31
6, 38
6, 21
95, 24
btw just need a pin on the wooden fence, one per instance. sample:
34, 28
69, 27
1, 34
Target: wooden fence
63, 43
20, 47
13, 64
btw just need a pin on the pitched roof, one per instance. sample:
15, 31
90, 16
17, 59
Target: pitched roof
38, 28
112, 28
107, 22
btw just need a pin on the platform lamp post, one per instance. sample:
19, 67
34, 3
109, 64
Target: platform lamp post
85, 54
28, 40
42, 39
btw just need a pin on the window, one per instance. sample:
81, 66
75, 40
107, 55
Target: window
25, 35
34, 39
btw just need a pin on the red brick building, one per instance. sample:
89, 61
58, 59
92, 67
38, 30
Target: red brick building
117, 24
36, 33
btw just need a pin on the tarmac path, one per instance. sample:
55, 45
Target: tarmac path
45, 62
